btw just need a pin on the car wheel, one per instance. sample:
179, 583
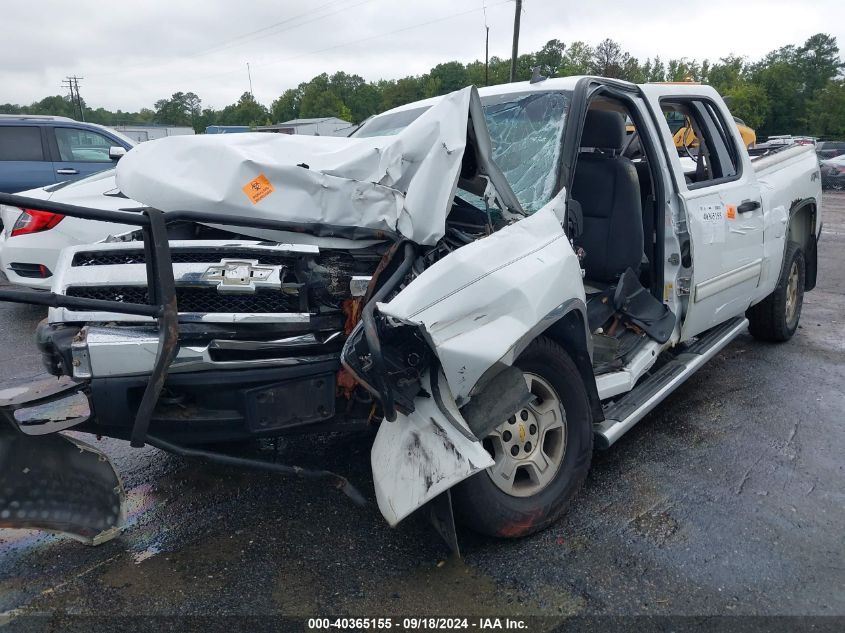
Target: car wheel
776, 317
542, 452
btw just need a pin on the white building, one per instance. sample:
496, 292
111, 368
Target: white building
141, 133
323, 126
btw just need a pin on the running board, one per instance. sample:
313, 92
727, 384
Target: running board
625, 412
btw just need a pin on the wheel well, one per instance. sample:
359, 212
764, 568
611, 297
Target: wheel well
572, 334
802, 229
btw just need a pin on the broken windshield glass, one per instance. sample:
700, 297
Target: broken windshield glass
526, 130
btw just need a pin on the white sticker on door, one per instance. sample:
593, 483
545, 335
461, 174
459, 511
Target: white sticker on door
712, 217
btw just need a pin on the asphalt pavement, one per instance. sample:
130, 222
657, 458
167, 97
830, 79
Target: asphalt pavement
728, 499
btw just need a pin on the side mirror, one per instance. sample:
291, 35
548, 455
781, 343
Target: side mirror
116, 151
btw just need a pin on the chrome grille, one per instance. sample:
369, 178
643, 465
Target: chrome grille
117, 258
202, 300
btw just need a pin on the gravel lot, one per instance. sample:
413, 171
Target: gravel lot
728, 499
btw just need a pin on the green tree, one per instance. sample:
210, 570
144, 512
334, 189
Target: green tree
56, 106
360, 99
726, 74
319, 99
826, 112
782, 83
550, 58
207, 117
819, 62
449, 77
609, 59
286, 107
181, 109
749, 102
400, 92
247, 111
657, 71
577, 60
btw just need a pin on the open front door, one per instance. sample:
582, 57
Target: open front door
720, 202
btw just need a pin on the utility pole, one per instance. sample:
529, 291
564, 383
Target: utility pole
249, 74
79, 98
487, 57
486, 47
514, 50
72, 84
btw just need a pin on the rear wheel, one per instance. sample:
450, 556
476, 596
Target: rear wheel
542, 452
776, 317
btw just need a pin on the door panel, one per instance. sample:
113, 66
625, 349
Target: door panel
720, 202
727, 254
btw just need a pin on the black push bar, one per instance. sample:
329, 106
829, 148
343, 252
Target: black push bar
371, 330
161, 286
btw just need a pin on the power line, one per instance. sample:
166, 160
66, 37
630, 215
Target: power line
231, 43
364, 39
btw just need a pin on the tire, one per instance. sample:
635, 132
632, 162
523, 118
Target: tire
776, 317
534, 499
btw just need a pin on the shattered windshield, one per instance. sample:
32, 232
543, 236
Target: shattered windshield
526, 131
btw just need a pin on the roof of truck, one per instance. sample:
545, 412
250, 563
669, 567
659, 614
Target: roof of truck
554, 83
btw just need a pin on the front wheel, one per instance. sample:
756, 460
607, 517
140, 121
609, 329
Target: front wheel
776, 317
542, 452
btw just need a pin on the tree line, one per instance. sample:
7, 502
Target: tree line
796, 89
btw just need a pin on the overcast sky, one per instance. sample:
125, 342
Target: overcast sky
132, 53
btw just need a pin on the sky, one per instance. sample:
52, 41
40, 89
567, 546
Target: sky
132, 53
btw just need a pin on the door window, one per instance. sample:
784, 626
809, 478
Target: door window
705, 144
21, 143
83, 146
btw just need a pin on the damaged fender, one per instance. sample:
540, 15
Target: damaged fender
485, 302
423, 454
479, 308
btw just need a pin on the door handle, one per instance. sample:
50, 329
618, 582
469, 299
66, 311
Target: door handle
748, 205
67, 171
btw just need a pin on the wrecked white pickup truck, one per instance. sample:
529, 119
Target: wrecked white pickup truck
501, 278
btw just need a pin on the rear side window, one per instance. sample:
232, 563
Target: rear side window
21, 143
704, 142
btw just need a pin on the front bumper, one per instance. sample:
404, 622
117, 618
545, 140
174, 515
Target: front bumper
219, 388
159, 302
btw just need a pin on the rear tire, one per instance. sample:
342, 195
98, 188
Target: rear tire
559, 425
776, 317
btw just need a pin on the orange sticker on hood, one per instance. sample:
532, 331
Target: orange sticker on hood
258, 188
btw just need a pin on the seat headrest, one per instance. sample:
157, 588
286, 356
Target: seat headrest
603, 130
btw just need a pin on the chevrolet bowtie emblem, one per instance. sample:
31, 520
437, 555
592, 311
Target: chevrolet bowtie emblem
237, 276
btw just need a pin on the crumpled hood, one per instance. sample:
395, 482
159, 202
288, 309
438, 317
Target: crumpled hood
403, 183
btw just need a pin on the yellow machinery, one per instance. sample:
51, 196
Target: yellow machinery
685, 136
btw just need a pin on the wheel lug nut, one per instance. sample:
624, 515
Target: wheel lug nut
512, 419
523, 414
532, 429
514, 450
527, 447
507, 436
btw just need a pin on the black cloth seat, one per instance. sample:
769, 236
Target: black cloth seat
608, 190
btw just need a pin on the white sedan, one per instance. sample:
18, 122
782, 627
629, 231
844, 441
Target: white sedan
31, 240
